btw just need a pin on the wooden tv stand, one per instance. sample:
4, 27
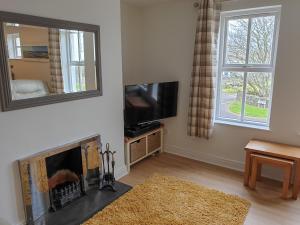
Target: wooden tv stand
140, 147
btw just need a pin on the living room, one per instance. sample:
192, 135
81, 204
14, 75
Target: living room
225, 98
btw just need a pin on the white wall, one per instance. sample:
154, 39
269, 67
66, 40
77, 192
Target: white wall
168, 49
132, 41
28, 131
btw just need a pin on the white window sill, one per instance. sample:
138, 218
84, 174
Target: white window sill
244, 125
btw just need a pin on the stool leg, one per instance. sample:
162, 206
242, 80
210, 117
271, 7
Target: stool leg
252, 183
286, 182
248, 165
259, 167
296, 187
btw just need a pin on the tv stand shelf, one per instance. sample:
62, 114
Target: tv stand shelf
140, 147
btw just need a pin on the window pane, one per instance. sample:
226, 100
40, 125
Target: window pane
231, 95
18, 41
14, 45
74, 46
82, 80
258, 94
236, 44
78, 78
19, 52
13, 24
81, 46
74, 78
10, 46
261, 40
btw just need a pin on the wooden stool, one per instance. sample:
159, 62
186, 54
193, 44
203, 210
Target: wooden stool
258, 160
276, 150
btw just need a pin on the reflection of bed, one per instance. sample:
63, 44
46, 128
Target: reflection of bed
23, 89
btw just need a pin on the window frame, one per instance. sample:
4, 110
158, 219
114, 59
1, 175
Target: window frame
246, 67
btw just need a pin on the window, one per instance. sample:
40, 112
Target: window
73, 63
247, 55
14, 46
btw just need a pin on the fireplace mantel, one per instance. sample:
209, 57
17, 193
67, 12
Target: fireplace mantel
34, 179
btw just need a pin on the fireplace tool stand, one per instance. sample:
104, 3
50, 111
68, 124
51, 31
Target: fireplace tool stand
107, 180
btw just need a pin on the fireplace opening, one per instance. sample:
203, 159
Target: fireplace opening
65, 178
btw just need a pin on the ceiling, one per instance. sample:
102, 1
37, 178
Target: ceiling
145, 2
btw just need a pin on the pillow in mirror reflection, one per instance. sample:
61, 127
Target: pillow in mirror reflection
3, 222
23, 89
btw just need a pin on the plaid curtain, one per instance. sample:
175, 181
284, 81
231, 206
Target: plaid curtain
57, 83
202, 96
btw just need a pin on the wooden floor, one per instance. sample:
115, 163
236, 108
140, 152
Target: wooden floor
267, 208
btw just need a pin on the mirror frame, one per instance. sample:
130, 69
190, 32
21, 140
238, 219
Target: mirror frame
5, 91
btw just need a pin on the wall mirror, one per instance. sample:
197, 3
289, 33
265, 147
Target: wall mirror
46, 61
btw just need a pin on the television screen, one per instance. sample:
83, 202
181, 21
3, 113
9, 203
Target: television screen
150, 102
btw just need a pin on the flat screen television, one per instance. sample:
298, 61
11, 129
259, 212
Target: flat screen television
150, 102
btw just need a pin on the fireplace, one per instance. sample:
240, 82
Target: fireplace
65, 178
57, 177
66, 181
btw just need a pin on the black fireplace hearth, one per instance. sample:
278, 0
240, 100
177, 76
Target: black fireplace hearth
84, 208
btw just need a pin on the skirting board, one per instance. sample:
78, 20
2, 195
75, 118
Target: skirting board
121, 172
215, 160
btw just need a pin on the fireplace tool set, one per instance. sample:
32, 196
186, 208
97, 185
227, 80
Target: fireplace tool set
107, 179
105, 176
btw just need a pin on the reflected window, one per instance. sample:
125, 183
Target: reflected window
12, 24
155, 91
14, 46
73, 62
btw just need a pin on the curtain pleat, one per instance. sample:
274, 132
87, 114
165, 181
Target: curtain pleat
202, 96
57, 84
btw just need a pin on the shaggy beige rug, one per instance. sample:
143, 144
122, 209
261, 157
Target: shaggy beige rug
163, 200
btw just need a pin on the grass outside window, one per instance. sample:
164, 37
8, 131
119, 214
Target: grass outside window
250, 110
